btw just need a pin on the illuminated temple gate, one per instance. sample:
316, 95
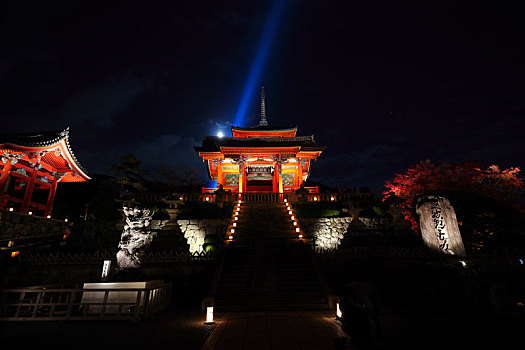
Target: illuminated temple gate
34, 163
261, 158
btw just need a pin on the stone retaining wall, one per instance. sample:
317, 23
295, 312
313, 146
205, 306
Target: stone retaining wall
15, 226
196, 230
327, 232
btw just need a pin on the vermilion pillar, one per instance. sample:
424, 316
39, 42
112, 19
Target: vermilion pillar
3, 182
51, 197
29, 192
220, 180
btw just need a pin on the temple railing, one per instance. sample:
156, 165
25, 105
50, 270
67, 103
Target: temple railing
97, 258
55, 304
228, 196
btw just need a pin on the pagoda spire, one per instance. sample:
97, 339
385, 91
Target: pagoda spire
263, 121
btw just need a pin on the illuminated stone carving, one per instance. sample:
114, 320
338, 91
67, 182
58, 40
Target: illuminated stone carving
135, 237
439, 226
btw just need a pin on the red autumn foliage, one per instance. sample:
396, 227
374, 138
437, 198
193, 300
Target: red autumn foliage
427, 178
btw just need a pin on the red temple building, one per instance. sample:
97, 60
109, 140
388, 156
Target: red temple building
261, 158
32, 162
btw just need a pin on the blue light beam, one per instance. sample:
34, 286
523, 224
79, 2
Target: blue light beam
266, 39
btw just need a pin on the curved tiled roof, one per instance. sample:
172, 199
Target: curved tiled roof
40, 139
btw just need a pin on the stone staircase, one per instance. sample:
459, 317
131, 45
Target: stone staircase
266, 267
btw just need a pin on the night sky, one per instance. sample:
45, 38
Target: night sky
382, 84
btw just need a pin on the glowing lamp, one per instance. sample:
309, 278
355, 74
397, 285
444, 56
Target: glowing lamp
66, 220
290, 212
30, 213
332, 198
285, 200
10, 244
315, 199
234, 224
64, 237
49, 216
463, 263
236, 218
230, 237
180, 198
297, 229
209, 314
292, 217
15, 254
338, 312
295, 223
300, 236
207, 199
232, 230
220, 134
11, 209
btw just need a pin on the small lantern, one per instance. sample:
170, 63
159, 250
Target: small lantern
66, 220
234, 224
292, 217
232, 230
15, 254
11, 209
297, 229
338, 312
207, 199
49, 216
295, 223
285, 200
209, 315
236, 218
230, 237
332, 198
30, 213
315, 199
300, 236
290, 212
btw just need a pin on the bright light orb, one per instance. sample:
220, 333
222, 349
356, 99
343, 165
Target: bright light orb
220, 134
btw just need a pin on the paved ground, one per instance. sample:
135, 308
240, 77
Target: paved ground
182, 327
275, 330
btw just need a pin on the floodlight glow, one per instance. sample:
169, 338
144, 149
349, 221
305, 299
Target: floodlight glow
220, 134
270, 28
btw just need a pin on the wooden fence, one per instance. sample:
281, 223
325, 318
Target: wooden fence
56, 304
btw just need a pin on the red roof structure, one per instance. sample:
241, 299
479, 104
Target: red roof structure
35, 161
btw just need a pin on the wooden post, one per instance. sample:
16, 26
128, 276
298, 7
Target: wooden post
29, 192
51, 197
